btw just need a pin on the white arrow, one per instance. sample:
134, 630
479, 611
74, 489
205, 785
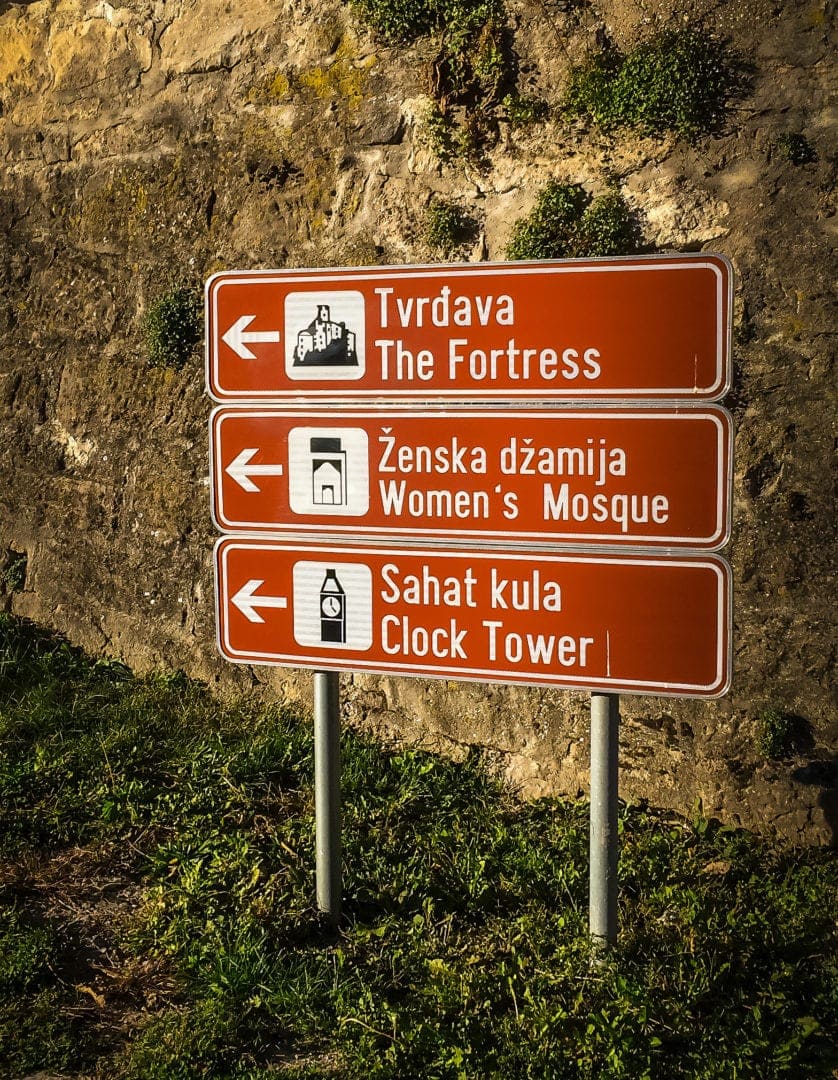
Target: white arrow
241, 471
236, 337
245, 601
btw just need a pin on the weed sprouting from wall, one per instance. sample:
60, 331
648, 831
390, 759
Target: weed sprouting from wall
439, 133
13, 571
470, 69
606, 228
547, 232
447, 227
522, 110
567, 223
173, 327
794, 147
403, 21
400, 21
775, 732
678, 81
473, 64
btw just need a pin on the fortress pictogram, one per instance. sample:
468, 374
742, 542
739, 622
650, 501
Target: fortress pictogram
324, 343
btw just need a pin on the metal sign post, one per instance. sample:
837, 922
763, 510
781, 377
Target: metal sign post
327, 792
602, 906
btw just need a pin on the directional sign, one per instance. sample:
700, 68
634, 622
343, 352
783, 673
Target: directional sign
612, 623
641, 328
615, 476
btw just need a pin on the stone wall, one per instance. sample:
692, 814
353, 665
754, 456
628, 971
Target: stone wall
150, 145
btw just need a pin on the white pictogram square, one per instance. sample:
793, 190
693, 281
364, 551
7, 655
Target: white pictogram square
325, 336
333, 604
328, 471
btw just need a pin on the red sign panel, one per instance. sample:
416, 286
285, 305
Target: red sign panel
606, 476
610, 623
641, 328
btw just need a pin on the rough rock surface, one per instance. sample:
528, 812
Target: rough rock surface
159, 141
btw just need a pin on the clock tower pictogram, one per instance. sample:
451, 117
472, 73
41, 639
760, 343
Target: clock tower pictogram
332, 609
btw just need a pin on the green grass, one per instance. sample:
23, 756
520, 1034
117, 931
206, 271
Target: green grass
156, 916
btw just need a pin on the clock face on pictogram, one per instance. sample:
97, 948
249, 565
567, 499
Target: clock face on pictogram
331, 606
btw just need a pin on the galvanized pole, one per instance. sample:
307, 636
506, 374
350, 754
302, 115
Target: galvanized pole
327, 791
605, 734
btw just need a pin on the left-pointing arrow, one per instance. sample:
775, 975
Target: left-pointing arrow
246, 602
238, 336
241, 470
